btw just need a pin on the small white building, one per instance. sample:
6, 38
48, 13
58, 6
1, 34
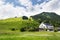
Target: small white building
47, 26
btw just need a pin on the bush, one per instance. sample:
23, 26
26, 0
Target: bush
30, 29
29, 26
55, 30
24, 17
13, 29
22, 29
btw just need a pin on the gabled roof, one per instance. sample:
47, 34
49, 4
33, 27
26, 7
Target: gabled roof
47, 24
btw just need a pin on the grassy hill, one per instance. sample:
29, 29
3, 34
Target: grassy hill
17, 23
31, 36
49, 17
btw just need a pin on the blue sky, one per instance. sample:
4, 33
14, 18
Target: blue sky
34, 2
12, 8
17, 3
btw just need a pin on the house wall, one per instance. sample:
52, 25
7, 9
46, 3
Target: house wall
42, 26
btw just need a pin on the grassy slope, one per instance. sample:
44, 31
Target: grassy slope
10, 23
7, 34
15, 23
31, 36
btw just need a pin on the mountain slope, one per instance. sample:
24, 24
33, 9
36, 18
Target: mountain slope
47, 16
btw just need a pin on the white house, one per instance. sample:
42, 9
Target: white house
47, 26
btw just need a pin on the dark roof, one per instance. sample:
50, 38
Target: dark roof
47, 24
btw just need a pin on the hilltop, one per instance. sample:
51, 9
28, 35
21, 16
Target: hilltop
17, 23
49, 17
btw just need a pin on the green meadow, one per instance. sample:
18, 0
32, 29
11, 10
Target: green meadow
29, 35
17, 23
6, 32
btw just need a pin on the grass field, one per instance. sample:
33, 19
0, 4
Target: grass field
17, 23
7, 34
11, 35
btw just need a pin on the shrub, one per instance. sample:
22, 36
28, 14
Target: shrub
29, 26
55, 30
22, 29
13, 29
24, 17
30, 29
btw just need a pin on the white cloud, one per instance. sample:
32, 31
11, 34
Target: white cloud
8, 10
52, 6
27, 3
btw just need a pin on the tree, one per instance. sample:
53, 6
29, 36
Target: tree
22, 29
15, 16
55, 25
13, 29
29, 26
25, 17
